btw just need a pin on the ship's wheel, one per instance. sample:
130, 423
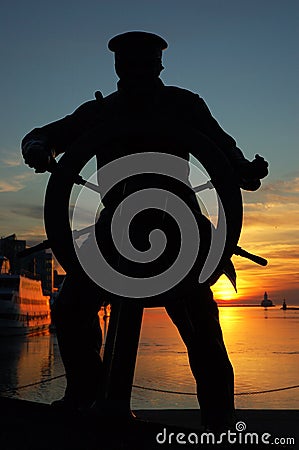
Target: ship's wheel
165, 141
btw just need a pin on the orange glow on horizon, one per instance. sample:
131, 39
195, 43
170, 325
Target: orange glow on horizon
223, 290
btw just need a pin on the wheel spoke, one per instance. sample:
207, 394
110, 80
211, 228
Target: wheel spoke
203, 187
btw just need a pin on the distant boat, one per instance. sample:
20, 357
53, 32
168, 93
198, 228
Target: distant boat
266, 301
23, 307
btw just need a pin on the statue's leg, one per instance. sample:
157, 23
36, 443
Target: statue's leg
197, 319
120, 355
80, 338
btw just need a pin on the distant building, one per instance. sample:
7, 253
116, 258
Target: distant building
39, 265
266, 301
44, 266
10, 246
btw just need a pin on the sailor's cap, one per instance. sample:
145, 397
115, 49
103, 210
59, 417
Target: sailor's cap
137, 43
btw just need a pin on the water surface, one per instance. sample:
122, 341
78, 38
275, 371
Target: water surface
262, 344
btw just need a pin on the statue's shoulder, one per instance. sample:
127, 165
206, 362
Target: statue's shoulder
181, 95
109, 98
96, 105
176, 90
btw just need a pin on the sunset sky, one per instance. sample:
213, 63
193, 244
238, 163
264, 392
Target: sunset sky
241, 56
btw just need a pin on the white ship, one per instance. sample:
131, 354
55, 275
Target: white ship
23, 307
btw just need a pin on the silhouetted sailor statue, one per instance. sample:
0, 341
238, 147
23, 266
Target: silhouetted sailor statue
141, 96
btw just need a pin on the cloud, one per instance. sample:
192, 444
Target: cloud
10, 158
283, 188
13, 175
275, 192
14, 183
11, 162
275, 206
32, 211
33, 236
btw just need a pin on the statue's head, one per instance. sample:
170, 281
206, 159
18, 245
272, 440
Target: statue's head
138, 55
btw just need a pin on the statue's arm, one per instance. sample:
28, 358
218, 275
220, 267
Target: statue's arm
247, 172
42, 144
